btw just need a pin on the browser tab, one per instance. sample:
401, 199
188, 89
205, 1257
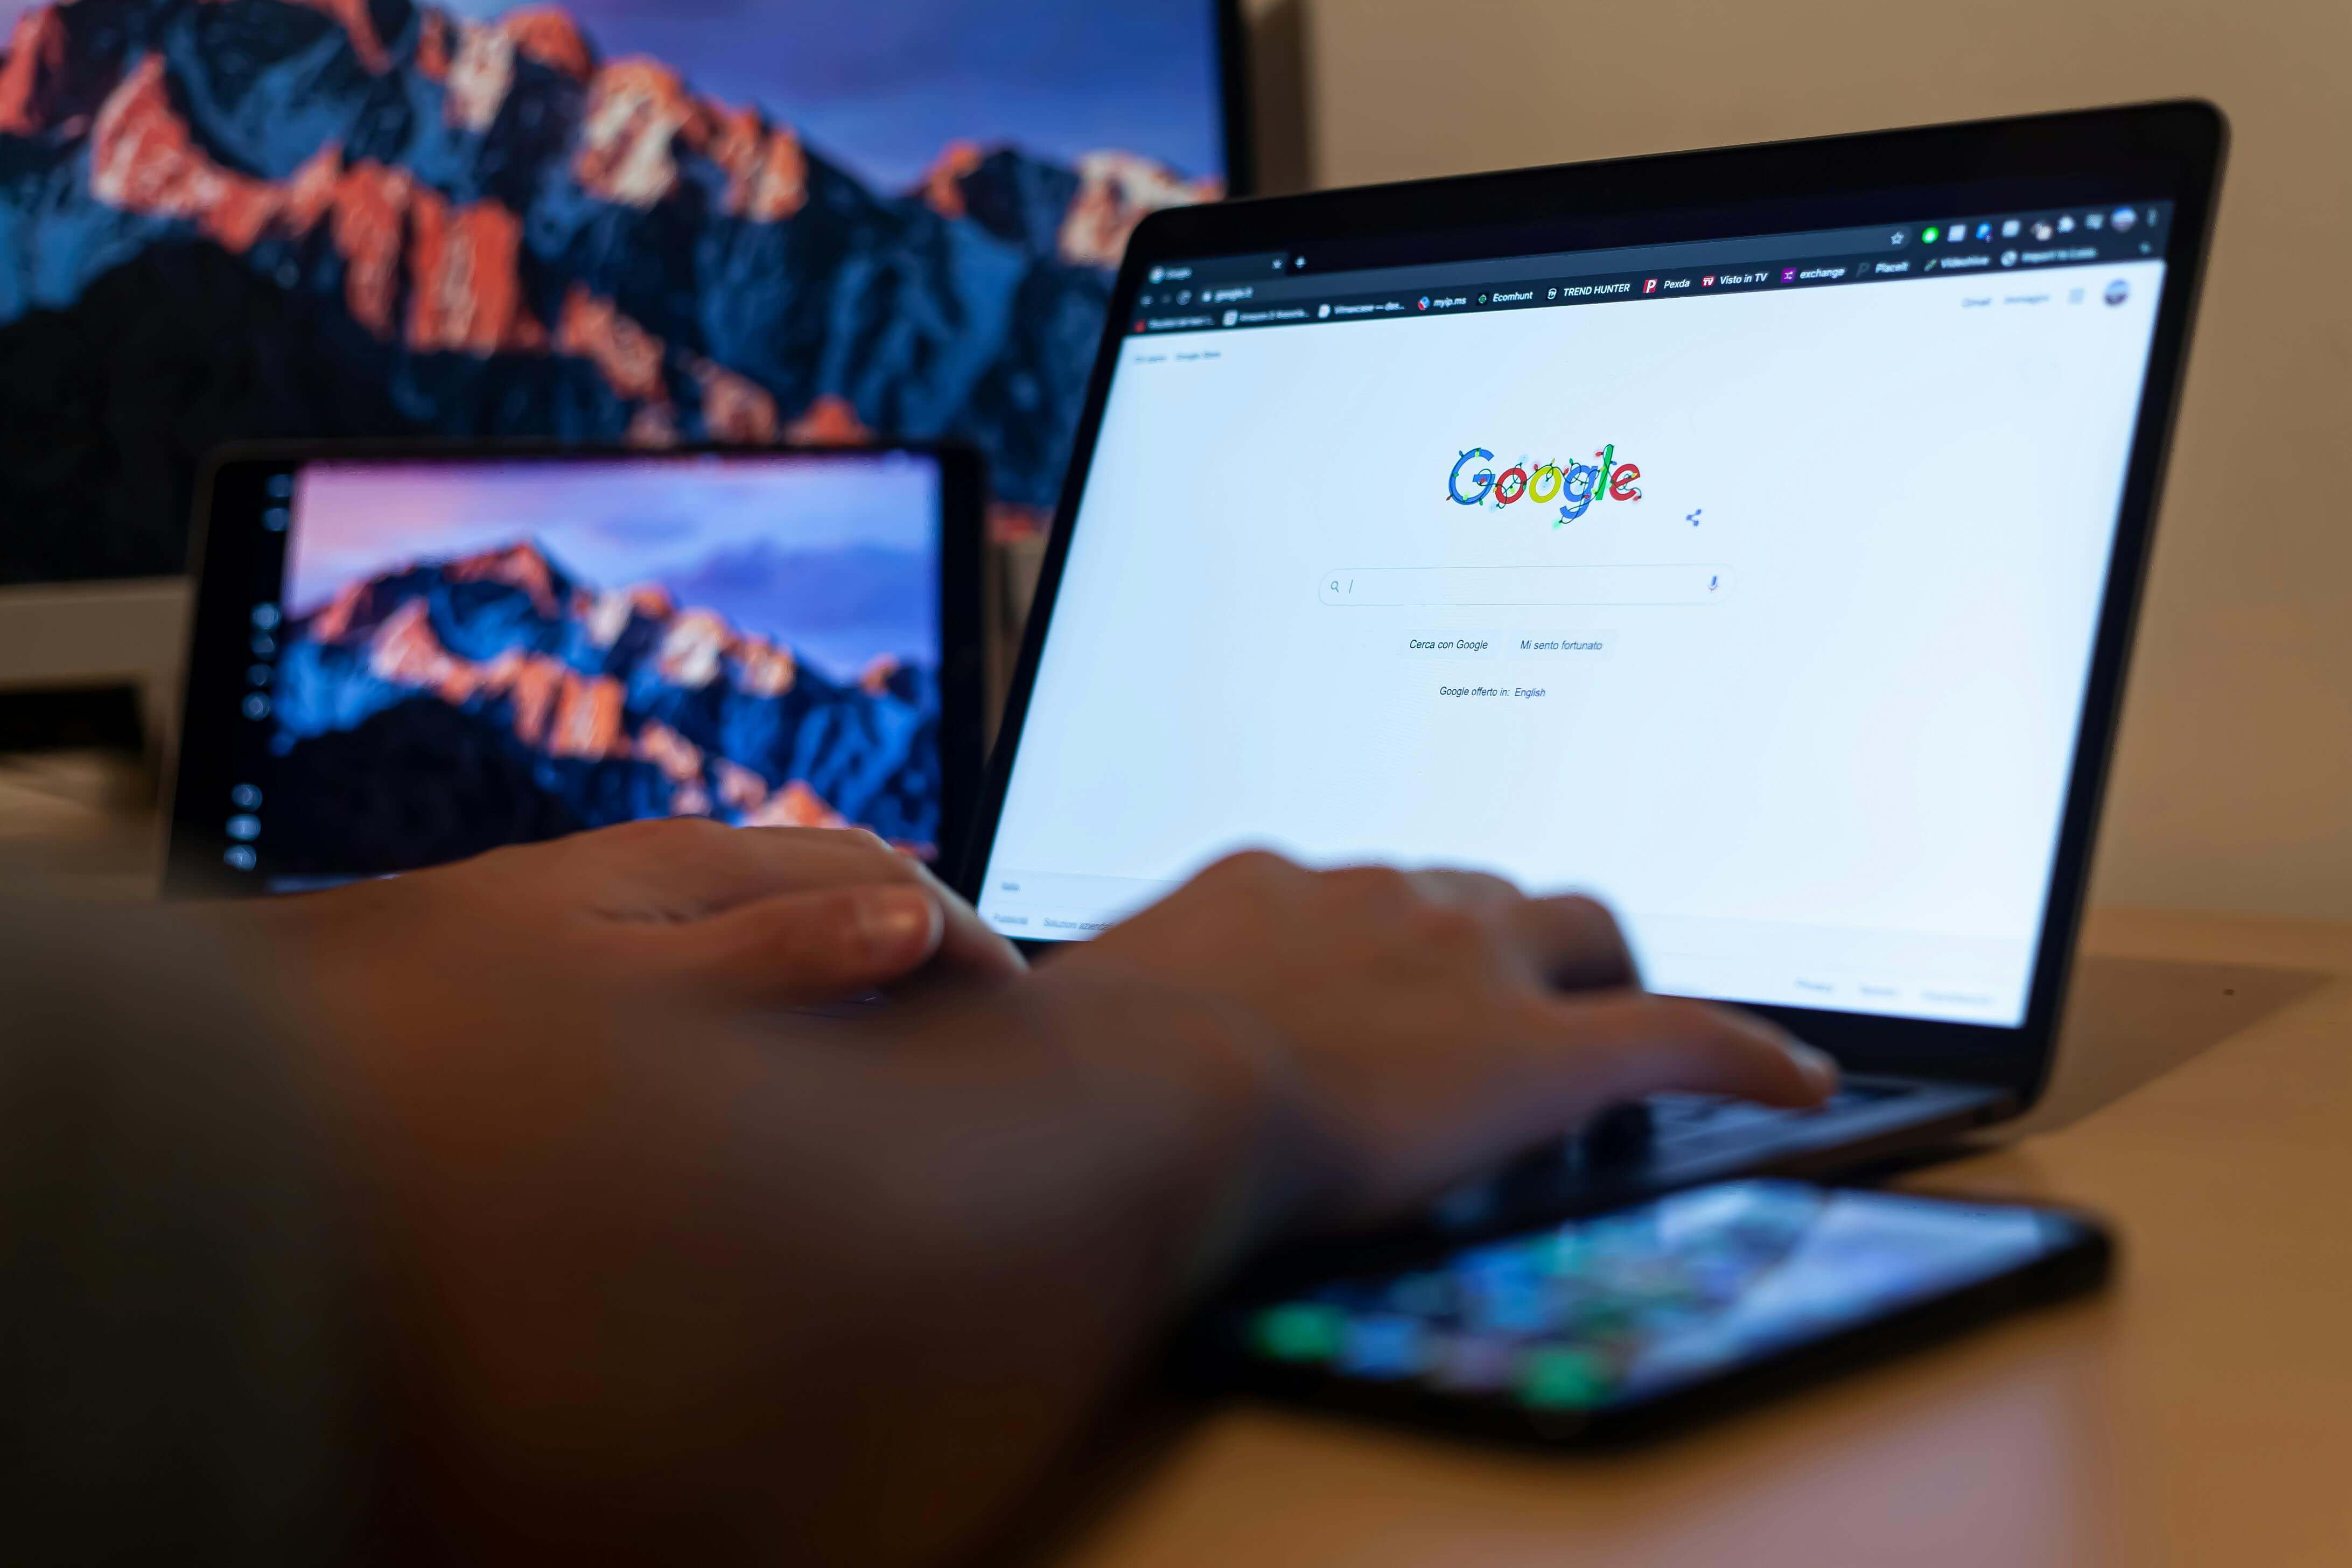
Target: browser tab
1253, 291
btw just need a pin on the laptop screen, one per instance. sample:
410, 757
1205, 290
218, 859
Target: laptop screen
1751, 586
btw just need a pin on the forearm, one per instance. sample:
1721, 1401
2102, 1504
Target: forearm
187, 1357
876, 1274
1066, 1170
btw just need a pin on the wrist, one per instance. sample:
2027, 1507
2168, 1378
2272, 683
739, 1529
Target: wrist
1246, 1162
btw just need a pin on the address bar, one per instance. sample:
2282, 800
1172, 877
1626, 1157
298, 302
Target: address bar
1370, 586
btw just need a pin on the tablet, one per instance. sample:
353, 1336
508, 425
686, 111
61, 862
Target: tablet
403, 656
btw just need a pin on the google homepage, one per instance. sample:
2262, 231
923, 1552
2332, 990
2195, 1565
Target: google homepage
1765, 618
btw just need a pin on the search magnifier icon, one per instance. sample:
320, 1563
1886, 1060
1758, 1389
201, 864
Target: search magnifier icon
1335, 584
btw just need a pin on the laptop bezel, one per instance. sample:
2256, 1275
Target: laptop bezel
2170, 151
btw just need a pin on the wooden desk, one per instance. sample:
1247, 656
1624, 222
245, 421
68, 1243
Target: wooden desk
2200, 1412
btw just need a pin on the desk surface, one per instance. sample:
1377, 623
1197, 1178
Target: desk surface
2199, 1412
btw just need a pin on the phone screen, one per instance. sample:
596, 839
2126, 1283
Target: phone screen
1618, 1310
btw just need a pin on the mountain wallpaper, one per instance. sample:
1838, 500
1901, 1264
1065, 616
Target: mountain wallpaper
439, 709
249, 218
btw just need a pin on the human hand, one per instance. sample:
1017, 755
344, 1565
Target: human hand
625, 1270
1438, 1022
749, 916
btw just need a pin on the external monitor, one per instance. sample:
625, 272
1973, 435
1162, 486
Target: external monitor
615, 221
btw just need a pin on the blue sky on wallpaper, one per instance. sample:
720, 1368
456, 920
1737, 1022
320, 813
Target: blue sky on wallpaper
837, 559
882, 85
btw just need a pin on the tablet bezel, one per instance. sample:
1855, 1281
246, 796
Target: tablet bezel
2148, 153
233, 555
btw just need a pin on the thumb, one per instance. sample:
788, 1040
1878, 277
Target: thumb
821, 946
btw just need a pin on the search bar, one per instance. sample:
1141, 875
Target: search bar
1377, 586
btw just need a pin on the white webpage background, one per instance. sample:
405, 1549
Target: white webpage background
1850, 765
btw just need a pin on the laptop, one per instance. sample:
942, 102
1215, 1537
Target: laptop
1749, 538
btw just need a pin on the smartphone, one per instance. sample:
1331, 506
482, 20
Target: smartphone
1621, 1325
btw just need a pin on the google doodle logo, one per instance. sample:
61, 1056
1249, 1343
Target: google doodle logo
1576, 486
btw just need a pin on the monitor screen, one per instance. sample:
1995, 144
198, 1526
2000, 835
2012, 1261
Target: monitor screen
1750, 584
449, 655
611, 220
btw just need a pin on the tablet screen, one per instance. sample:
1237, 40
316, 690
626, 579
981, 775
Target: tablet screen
451, 655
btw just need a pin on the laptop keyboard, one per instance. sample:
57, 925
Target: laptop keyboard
1663, 1123
1627, 1139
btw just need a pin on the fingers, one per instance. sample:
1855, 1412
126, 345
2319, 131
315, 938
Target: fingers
1573, 943
1249, 868
969, 947
1586, 1053
691, 869
1570, 943
763, 862
821, 946
1634, 1044
1469, 890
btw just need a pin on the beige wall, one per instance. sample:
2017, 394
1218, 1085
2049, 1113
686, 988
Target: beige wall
2233, 786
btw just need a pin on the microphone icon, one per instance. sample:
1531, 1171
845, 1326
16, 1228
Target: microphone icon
1711, 581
